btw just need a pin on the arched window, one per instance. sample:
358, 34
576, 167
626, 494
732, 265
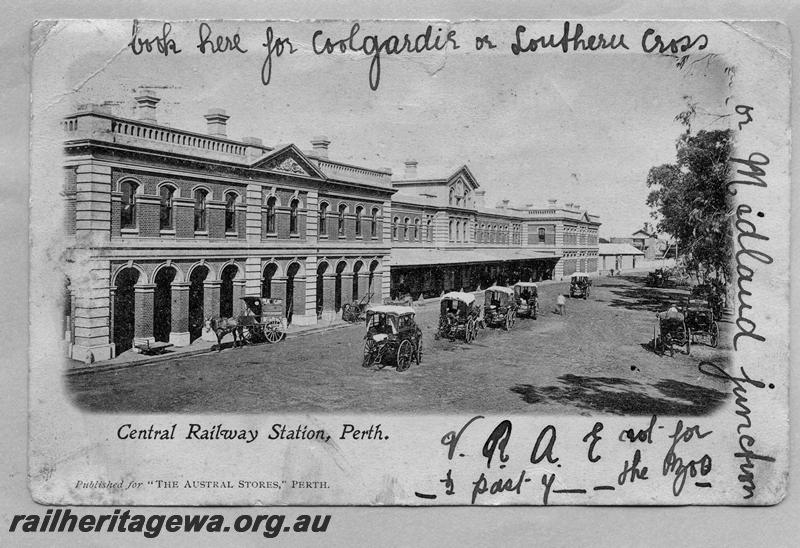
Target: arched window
165, 216
452, 196
272, 201
359, 210
429, 230
342, 210
200, 197
416, 229
405, 228
323, 219
394, 227
452, 224
374, 223
230, 212
128, 212
541, 235
458, 231
293, 206
465, 229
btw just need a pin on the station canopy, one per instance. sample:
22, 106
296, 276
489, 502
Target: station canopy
500, 289
432, 256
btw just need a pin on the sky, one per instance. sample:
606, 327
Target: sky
578, 127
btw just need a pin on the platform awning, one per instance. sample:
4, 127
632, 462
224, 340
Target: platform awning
431, 256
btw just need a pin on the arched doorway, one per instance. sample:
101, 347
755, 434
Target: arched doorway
196, 295
291, 272
266, 280
356, 274
226, 290
162, 304
124, 309
320, 289
337, 291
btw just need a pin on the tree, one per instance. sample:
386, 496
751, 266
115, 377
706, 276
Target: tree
690, 201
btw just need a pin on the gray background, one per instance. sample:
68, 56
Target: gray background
689, 526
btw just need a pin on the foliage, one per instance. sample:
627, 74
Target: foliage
690, 201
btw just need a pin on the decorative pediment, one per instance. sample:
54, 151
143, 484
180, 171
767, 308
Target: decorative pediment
289, 160
464, 176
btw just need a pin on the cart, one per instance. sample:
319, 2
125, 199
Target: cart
263, 319
458, 317
527, 296
499, 307
392, 337
354, 311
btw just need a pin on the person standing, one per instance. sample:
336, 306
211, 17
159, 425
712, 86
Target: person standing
561, 304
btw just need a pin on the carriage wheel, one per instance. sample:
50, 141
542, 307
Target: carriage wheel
273, 331
369, 353
513, 317
468, 331
535, 310
404, 354
688, 341
418, 353
714, 333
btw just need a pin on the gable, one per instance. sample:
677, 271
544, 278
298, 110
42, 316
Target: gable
465, 176
290, 160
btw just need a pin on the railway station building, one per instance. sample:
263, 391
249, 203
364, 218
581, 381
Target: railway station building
167, 228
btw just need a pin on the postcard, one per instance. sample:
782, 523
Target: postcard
409, 262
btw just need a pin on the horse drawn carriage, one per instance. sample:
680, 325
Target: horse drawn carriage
671, 331
701, 319
499, 307
261, 319
458, 317
579, 285
526, 295
392, 337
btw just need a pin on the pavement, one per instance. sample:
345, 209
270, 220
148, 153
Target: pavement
596, 359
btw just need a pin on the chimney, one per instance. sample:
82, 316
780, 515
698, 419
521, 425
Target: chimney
411, 169
552, 203
146, 103
217, 122
504, 204
576, 206
569, 205
320, 144
479, 198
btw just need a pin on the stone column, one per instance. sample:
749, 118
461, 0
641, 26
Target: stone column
329, 293
210, 306
299, 301
363, 284
278, 287
179, 329
143, 314
239, 289
347, 288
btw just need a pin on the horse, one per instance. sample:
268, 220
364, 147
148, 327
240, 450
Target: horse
223, 326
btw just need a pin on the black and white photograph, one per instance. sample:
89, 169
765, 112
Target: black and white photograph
491, 248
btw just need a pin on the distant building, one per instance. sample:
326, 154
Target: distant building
619, 257
649, 244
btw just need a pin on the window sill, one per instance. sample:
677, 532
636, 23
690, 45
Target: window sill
271, 235
166, 232
201, 233
231, 234
295, 236
129, 231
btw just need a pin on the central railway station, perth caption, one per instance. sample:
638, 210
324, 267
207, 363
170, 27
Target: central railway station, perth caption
168, 227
